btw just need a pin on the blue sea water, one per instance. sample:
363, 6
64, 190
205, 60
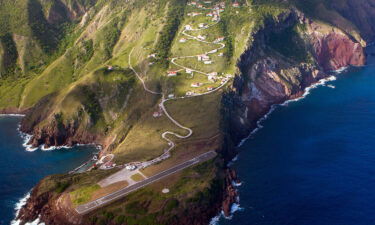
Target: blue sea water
313, 162
21, 170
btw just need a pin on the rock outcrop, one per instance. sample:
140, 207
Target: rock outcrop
230, 194
267, 76
268, 79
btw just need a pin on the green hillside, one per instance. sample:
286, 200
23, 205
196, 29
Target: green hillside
146, 79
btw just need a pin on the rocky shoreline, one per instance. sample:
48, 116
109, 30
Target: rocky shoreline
264, 81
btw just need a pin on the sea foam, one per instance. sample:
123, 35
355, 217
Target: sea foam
236, 206
273, 107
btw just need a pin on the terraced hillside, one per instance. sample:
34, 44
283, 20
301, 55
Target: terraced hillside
157, 84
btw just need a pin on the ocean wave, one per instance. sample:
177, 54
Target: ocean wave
26, 139
12, 115
232, 161
307, 91
236, 207
51, 148
235, 184
341, 70
18, 207
35, 222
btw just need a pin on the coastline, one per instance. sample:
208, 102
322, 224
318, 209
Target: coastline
236, 205
322, 82
28, 148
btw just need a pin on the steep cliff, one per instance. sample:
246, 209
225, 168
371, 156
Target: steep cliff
275, 51
287, 56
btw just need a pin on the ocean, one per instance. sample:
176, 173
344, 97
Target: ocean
20, 170
313, 160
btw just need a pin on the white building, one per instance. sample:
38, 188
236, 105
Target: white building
220, 54
207, 62
195, 85
201, 25
182, 40
131, 167
219, 39
203, 57
172, 73
189, 71
188, 27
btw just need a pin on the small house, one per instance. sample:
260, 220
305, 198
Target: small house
203, 57
201, 25
182, 40
220, 54
195, 85
171, 96
157, 114
153, 55
210, 88
207, 62
213, 74
236, 4
189, 71
188, 27
172, 73
220, 39
131, 167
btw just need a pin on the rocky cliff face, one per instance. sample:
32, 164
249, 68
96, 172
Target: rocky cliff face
269, 76
272, 76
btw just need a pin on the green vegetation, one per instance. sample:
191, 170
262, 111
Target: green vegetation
149, 206
10, 55
289, 44
137, 177
83, 194
75, 73
176, 10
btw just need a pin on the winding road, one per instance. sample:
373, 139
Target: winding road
165, 135
88, 207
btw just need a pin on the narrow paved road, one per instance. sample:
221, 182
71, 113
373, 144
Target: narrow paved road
85, 208
165, 135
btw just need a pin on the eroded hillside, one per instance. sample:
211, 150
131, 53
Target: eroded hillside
158, 83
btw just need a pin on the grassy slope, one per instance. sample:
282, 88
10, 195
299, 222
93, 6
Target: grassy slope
120, 109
